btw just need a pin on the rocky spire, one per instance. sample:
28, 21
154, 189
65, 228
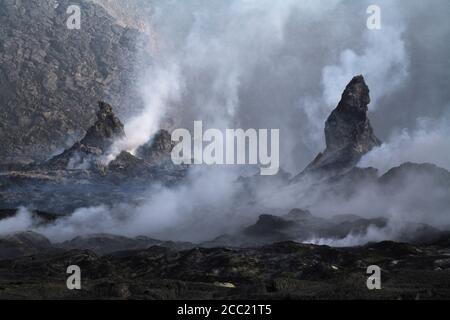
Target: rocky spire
99, 137
107, 128
348, 133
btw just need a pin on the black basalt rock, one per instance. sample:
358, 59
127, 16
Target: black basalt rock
348, 133
107, 128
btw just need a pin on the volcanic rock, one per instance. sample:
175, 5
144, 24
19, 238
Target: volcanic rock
301, 226
51, 77
285, 270
270, 227
128, 167
107, 243
297, 225
106, 129
348, 132
80, 177
409, 172
158, 149
21, 244
95, 143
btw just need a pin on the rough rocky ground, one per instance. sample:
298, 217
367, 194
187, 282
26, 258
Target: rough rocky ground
285, 270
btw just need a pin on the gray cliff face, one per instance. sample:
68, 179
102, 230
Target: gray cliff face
51, 77
348, 133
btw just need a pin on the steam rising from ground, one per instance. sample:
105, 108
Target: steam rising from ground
158, 92
203, 209
280, 64
22, 221
428, 143
264, 64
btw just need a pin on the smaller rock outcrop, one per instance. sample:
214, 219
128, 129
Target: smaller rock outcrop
98, 139
152, 158
158, 148
409, 172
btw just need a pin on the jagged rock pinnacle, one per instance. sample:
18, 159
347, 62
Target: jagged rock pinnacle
348, 133
107, 128
97, 141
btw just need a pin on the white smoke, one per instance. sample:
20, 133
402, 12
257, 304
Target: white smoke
429, 143
195, 211
84, 221
212, 203
160, 89
20, 222
263, 64
380, 56
373, 234
208, 61
205, 56
384, 64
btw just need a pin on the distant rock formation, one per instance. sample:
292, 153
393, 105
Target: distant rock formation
300, 226
106, 129
348, 132
95, 143
151, 161
411, 172
80, 176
